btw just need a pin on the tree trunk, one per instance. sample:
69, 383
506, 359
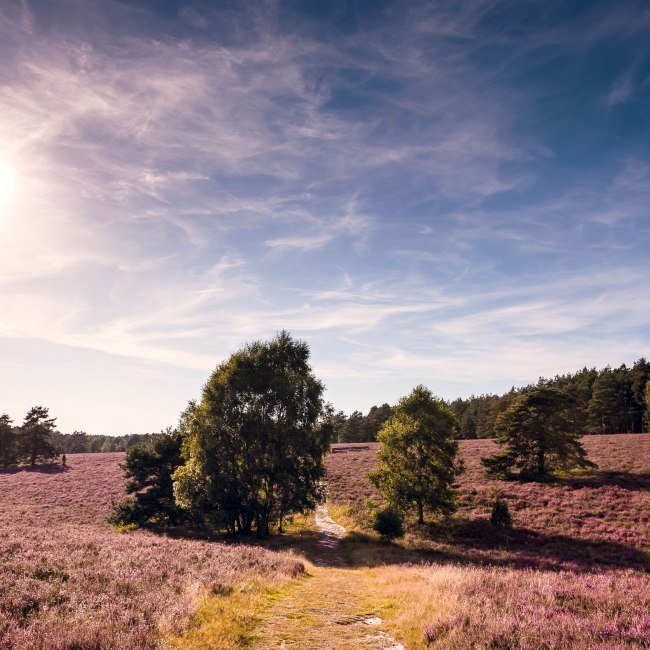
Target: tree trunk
541, 466
420, 512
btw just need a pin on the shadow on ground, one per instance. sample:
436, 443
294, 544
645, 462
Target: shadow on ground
465, 542
43, 468
626, 480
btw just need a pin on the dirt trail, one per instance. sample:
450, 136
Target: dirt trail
328, 610
329, 542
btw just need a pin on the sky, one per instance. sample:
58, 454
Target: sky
452, 193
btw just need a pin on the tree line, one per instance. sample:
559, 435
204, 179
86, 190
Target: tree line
611, 400
80, 442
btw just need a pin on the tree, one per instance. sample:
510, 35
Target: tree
8, 447
149, 469
254, 446
35, 438
417, 457
538, 435
78, 442
647, 406
610, 408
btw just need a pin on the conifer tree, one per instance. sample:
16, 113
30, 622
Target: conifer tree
35, 437
538, 434
8, 446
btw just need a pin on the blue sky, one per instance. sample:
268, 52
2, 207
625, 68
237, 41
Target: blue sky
450, 193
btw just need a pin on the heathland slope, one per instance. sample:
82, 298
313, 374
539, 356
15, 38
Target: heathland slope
69, 580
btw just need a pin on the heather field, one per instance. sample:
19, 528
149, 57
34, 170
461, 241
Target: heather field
573, 572
70, 580
600, 516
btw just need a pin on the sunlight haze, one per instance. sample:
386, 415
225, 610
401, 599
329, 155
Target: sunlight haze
455, 194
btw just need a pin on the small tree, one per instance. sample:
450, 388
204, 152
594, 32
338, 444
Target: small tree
254, 445
8, 443
35, 437
389, 523
417, 457
538, 436
500, 517
149, 469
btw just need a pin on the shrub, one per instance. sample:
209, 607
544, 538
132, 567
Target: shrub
500, 517
389, 523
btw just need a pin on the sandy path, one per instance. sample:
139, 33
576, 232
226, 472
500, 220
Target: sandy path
330, 610
329, 542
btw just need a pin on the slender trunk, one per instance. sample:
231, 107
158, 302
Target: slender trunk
541, 468
262, 526
420, 512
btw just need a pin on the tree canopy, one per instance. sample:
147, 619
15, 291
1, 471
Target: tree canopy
538, 434
8, 442
417, 456
35, 437
254, 445
149, 469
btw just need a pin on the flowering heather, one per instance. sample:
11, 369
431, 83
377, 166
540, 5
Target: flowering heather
69, 580
488, 607
572, 573
600, 516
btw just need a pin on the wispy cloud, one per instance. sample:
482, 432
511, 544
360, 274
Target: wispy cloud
422, 195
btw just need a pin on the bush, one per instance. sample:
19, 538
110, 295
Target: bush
500, 517
389, 523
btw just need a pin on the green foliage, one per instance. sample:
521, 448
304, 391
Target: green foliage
417, 457
500, 517
604, 401
78, 443
361, 428
254, 446
389, 523
539, 436
8, 442
35, 436
81, 442
149, 469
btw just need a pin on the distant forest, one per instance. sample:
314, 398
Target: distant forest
80, 442
612, 400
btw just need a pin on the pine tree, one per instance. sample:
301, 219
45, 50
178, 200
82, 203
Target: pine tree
538, 436
8, 446
35, 438
608, 410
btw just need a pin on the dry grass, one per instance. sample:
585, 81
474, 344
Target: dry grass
573, 574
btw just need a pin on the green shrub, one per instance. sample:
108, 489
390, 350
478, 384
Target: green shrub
500, 517
389, 523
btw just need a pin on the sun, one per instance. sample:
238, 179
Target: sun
7, 184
